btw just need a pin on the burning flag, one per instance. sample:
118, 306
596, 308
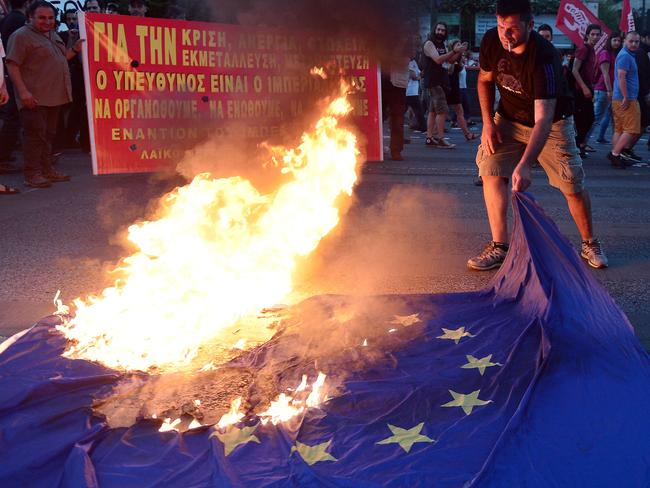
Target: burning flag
537, 380
219, 251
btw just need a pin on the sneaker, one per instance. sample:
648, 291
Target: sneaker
442, 143
37, 181
617, 161
429, 141
602, 141
56, 177
628, 155
589, 149
491, 257
594, 254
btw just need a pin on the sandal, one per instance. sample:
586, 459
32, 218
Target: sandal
470, 136
8, 190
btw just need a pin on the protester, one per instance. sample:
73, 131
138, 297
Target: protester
4, 98
112, 8
603, 87
37, 61
584, 71
92, 7
453, 94
546, 31
625, 106
413, 96
396, 101
643, 65
533, 121
75, 121
436, 80
9, 134
137, 8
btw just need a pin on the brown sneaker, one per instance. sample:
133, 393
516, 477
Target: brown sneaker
56, 177
37, 181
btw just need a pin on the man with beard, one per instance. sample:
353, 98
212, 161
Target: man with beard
37, 61
436, 80
533, 122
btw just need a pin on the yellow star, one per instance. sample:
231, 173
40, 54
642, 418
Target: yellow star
466, 400
314, 454
481, 364
455, 335
234, 437
406, 320
406, 437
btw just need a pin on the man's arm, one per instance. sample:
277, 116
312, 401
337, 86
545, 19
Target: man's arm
23, 93
622, 85
485, 88
431, 51
544, 110
577, 63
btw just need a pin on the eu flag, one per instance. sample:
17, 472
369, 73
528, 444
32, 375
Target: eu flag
538, 380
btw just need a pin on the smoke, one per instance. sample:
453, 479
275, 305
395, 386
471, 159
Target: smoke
388, 246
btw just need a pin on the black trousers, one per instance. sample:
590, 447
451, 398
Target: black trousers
10, 124
39, 125
584, 117
396, 102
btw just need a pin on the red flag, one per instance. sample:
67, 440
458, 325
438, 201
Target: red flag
627, 19
573, 17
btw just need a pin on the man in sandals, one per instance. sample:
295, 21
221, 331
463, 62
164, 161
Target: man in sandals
436, 80
533, 122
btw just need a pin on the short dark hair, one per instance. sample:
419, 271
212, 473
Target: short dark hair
86, 3
545, 27
17, 4
40, 4
515, 7
134, 3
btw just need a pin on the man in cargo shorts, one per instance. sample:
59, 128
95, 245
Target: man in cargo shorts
533, 122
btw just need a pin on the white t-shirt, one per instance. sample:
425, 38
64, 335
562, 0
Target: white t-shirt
413, 88
462, 78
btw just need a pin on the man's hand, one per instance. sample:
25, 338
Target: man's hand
28, 100
4, 94
625, 104
490, 137
521, 177
586, 92
78, 45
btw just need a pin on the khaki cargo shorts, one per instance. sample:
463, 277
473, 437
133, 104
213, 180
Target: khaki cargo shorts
559, 157
438, 100
628, 120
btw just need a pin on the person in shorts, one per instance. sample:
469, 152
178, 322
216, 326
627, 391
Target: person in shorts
533, 122
625, 106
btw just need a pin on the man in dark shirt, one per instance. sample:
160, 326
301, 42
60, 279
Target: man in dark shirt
10, 120
584, 72
533, 122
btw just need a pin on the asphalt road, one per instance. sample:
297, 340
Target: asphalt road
410, 229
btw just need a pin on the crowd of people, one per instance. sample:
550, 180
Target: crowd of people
42, 89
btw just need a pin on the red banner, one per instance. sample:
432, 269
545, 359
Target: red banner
573, 17
156, 87
627, 19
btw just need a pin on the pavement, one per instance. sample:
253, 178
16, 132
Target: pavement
410, 228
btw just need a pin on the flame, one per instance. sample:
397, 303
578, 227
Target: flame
233, 416
218, 251
286, 407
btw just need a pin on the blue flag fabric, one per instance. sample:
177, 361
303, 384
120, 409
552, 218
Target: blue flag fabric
537, 380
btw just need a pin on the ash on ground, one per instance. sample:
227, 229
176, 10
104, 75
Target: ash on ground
330, 334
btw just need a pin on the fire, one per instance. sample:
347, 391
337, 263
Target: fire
219, 250
286, 407
233, 416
